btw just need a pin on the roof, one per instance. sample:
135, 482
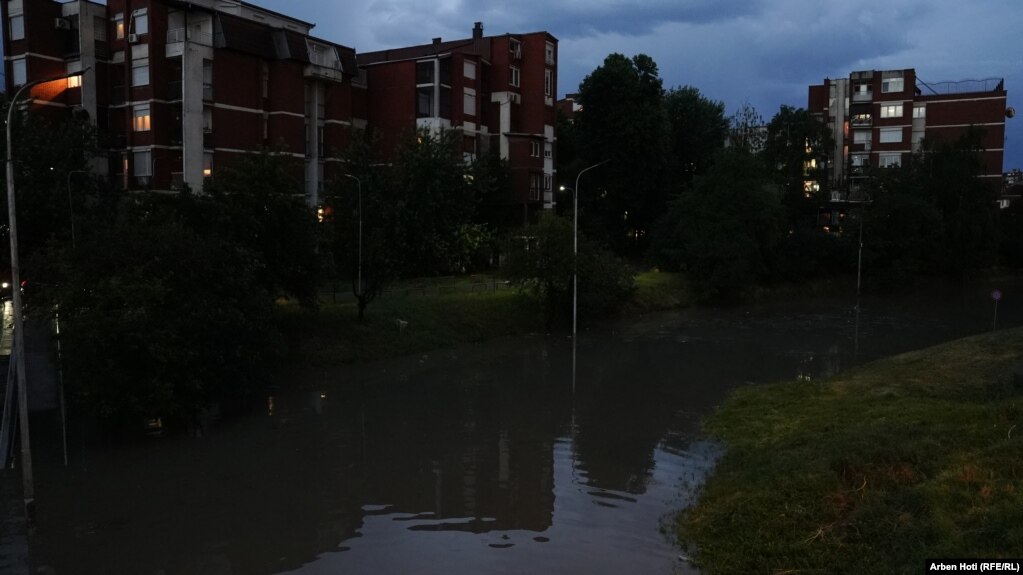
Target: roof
247, 36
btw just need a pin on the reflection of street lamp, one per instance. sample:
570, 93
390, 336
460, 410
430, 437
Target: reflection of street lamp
358, 184
19, 333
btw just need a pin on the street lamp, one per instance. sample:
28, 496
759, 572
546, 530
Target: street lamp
358, 184
28, 485
71, 203
575, 243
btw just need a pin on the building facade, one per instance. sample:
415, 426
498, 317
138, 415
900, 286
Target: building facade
500, 91
879, 118
178, 88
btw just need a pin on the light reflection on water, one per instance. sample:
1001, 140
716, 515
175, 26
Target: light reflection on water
476, 460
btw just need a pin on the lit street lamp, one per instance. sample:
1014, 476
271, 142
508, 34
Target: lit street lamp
19, 332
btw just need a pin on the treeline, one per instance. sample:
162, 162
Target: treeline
739, 202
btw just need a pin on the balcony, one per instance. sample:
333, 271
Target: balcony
207, 92
176, 38
174, 90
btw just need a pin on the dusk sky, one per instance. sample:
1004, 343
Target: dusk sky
765, 52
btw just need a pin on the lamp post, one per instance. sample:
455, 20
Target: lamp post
358, 184
575, 243
71, 204
28, 486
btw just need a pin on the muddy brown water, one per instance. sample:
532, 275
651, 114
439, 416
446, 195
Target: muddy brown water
482, 459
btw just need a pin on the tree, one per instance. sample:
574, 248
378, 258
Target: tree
697, 131
724, 230
746, 130
159, 318
622, 120
797, 147
260, 203
541, 263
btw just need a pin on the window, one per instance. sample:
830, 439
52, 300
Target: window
860, 161
535, 181
470, 70
141, 20
265, 79
890, 160
469, 102
891, 111
19, 71
862, 92
17, 27
207, 119
860, 120
143, 161
74, 81
549, 53
99, 28
548, 82
534, 150
515, 47
891, 135
892, 85
207, 80
548, 182
140, 118
861, 137
119, 26
920, 112
426, 74
207, 164
515, 76
140, 72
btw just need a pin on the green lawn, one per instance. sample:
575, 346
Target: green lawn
441, 312
913, 457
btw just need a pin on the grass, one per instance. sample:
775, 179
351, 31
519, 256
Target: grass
441, 312
913, 457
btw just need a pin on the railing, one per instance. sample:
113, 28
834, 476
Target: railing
324, 60
862, 96
176, 35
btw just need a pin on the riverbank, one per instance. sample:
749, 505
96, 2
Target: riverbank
873, 471
426, 316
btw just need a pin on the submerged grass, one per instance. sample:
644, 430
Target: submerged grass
913, 457
440, 312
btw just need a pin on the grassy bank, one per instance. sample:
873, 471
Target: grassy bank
913, 457
439, 313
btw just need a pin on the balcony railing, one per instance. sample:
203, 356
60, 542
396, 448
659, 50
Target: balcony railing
176, 35
324, 59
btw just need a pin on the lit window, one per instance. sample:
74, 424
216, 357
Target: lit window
892, 85
119, 26
17, 27
548, 82
140, 72
470, 70
891, 135
860, 120
207, 165
890, 160
891, 111
74, 81
19, 71
143, 163
920, 112
141, 20
140, 118
515, 76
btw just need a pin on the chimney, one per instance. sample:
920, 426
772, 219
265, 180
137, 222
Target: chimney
477, 30
436, 42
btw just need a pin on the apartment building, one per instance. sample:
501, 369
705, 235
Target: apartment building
499, 91
178, 88
879, 118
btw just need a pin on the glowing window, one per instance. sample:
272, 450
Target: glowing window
141, 118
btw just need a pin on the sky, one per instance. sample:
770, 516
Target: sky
762, 52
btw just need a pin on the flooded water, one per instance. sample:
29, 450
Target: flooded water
484, 459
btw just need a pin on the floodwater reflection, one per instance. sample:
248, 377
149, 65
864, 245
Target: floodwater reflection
485, 459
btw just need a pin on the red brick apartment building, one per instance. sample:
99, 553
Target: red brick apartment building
878, 118
499, 90
181, 87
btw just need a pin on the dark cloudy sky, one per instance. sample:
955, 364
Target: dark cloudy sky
765, 52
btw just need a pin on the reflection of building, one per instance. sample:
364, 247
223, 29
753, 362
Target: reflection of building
499, 90
181, 87
879, 117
